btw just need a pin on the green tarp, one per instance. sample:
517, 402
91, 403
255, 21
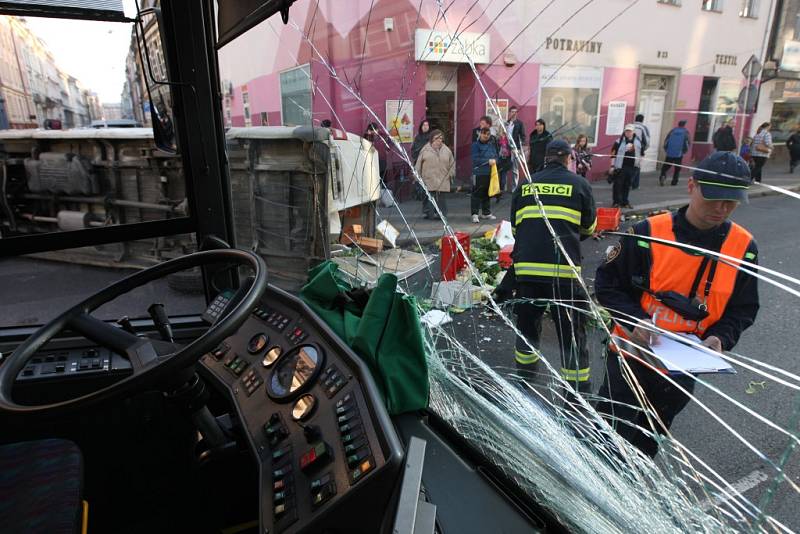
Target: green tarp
382, 327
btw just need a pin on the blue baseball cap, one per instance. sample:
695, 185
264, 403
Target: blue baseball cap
723, 176
558, 147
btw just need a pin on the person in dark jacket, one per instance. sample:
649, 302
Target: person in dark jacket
538, 146
637, 267
540, 269
793, 144
484, 155
483, 122
422, 139
675, 145
723, 138
516, 132
626, 157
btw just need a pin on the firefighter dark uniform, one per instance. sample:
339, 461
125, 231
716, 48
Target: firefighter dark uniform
637, 274
541, 270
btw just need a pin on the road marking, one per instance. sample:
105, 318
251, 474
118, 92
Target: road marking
741, 486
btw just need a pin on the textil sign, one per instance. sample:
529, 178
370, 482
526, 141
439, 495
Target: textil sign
436, 45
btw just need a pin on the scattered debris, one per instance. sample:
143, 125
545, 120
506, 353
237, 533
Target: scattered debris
753, 387
387, 232
436, 318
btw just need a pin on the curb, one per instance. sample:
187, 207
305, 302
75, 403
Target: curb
426, 238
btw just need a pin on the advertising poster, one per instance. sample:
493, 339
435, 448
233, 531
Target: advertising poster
400, 120
502, 106
615, 121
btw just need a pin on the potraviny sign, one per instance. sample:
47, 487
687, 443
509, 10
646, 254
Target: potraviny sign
440, 46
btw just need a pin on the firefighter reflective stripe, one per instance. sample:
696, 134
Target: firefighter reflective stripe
643, 244
552, 270
525, 357
552, 212
575, 375
590, 230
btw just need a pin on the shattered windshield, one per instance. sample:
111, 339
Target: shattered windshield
562, 187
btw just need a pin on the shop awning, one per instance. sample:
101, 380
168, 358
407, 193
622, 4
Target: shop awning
106, 10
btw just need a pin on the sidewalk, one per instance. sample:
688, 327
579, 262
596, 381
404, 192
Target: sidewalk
649, 197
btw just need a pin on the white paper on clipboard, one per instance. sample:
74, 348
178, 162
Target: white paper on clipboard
678, 357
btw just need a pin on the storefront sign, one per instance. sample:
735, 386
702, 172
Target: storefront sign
791, 56
573, 45
502, 106
615, 119
724, 59
400, 120
568, 76
436, 45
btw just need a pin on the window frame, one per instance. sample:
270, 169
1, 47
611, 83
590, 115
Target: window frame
674, 3
280, 88
714, 6
749, 9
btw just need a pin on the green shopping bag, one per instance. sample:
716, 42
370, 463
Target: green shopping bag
385, 332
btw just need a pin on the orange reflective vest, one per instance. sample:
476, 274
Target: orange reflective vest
675, 269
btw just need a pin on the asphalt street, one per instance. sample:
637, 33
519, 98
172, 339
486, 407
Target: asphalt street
772, 340
35, 290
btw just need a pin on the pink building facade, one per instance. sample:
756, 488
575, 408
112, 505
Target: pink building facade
398, 63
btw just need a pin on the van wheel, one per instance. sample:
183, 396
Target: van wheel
189, 281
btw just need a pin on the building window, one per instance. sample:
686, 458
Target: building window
670, 2
797, 27
569, 99
246, 106
296, 96
749, 9
712, 5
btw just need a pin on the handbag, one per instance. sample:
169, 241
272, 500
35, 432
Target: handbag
762, 146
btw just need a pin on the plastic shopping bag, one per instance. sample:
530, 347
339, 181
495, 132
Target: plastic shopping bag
494, 182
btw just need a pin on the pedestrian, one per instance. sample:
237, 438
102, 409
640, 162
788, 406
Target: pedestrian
516, 132
541, 271
437, 169
625, 159
372, 134
484, 155
723, 138
746, 152
762, 148
538, 146
422, 138
483, 122
582, 155
643, 133
675, 145
504, 156
793, 144
639, 274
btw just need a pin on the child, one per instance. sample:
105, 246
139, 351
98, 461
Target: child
582, 155
746, 151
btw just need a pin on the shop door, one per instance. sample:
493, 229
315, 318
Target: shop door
441, 114
651, 105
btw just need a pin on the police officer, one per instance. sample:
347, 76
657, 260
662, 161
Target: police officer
678, 290
542, 272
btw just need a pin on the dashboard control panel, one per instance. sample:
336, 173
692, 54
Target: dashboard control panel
73, 362
328, 454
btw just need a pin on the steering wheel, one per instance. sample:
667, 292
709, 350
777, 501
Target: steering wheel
151, 360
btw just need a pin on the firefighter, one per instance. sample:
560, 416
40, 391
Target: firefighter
542, 272
678, 290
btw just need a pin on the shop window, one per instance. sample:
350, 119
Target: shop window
712, 5
569, 100
784, 120
296, 96
749, 9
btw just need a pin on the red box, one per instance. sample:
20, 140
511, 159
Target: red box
608, 219
452, 259
504, 257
